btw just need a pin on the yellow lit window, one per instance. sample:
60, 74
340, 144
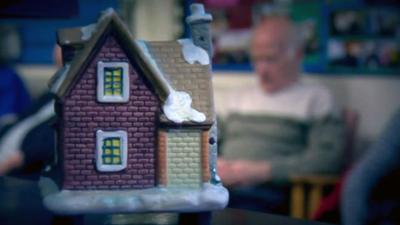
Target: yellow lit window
113, 81
112, 151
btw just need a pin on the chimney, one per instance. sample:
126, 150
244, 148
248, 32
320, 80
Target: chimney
199, 23
71, 43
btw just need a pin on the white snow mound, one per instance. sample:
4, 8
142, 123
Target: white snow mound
193, 53
178, 108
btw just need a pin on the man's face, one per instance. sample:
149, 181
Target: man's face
274, 58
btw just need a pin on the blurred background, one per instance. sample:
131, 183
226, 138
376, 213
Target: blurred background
352, 47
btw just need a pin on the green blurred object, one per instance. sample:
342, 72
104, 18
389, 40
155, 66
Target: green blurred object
309, 16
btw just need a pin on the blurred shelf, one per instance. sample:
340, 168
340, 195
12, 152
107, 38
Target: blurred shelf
240, 67
375, 38
364, 71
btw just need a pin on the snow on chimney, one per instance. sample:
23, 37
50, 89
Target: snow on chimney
199, 22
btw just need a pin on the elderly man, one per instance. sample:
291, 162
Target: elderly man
283, 127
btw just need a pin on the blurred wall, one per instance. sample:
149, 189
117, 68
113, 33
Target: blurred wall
374, 97
156, 20
36, 77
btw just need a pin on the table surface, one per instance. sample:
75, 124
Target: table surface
21, 204
222, 217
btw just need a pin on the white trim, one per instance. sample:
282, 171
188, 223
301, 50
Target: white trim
100, 82
100, 136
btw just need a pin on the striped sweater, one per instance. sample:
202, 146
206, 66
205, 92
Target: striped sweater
293, 147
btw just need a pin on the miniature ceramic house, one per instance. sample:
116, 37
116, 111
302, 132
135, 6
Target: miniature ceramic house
136, 123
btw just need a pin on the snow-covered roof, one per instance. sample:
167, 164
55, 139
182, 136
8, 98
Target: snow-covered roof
188, 76
178, 70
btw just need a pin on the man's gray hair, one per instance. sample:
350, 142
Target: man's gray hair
269, 11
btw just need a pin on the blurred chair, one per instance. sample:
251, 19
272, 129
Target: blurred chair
307, 190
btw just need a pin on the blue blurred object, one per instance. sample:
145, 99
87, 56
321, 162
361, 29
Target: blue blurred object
377, 172
38, 37
14, 97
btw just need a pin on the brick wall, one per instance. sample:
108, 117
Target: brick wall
83, 116
205, 167
162, 158
183, 159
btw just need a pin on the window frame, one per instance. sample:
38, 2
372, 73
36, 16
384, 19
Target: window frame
101, 97
100, 136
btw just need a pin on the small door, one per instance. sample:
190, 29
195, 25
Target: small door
184, 159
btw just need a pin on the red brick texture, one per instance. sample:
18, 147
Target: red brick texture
82, 116
162, 158
204, 157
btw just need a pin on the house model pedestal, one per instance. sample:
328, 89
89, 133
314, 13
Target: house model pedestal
136, 126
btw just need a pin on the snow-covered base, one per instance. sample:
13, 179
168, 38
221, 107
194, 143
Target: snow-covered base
208, 197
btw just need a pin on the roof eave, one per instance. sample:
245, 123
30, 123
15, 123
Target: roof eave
188, 125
